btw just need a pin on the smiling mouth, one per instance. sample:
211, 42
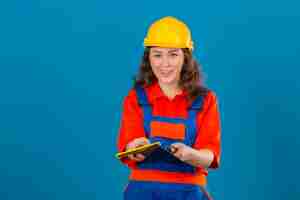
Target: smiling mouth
165, 73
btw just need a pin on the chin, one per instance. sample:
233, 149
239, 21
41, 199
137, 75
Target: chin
167, 81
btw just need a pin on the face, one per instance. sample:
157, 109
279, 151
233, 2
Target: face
166, 64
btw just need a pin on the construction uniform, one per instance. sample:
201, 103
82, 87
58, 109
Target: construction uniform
149, 113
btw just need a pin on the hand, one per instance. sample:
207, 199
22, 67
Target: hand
196, 158
182, 152
134, 144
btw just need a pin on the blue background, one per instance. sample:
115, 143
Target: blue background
65, 67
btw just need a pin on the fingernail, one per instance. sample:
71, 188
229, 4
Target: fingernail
174, 149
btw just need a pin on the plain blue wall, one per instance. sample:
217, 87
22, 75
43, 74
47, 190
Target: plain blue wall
65, 67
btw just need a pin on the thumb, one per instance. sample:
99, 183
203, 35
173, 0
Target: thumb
142, 141
175, 147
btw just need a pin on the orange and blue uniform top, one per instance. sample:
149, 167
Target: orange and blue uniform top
147, 112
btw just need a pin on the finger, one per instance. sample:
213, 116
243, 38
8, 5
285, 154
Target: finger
140, 144
137, 142
131, 145
139, 157
173, 149
178, 155
176, 146
142, 141
131, 157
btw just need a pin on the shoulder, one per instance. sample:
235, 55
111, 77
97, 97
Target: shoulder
130, 104
211, 95
136, 95
210, 99
131, 96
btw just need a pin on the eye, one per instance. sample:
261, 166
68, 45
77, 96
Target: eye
156, 55
174, 54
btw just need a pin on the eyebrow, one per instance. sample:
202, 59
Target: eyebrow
170, 51
173, 51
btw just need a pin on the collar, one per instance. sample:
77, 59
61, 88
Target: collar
155, 92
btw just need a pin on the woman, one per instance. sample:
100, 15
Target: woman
169, 104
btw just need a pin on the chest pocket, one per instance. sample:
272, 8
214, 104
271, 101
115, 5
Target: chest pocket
175, 131
167, 131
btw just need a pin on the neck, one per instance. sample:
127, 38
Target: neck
170, 90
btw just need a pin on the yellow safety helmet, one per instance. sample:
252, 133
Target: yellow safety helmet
169, 32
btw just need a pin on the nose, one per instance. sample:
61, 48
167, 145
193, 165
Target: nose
165, 61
